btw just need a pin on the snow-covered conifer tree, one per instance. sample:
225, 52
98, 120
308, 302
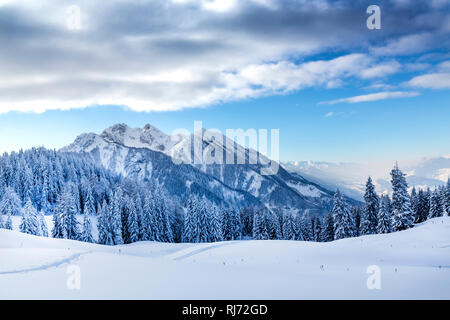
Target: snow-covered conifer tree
369, 216
288, 226
447, 199
190, 233
328, 228
343, 222
402, 215
260, 231
42, 224
30, 220
235, 224
132, 221
384, 216
66, 209
317, 229
203, 220
435, 205
9, 206
215, 232
86, 234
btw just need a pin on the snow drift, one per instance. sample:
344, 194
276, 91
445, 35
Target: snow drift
414, 264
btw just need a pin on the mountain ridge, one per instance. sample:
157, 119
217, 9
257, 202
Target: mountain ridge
148, 154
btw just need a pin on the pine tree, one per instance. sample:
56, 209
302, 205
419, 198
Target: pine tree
288, 227
86, 235
235, 224
435, 205
415, 204
273, 226
104, 234
57, 230
298, 225
42, 224
215, 232
8, 223
30, 220
203, 221
307, 227
190, 233
384, 216
132, 222
328, 228
66, 210
165, 233
402, 215
343, 223
447, 199
260, 231
113, 214
421, 207
89, 208
369, 217
148, 220
10, 206
356, 213
317, 230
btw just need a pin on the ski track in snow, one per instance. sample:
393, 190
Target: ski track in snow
55, 264
201, 250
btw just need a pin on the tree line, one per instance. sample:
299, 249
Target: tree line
74, 189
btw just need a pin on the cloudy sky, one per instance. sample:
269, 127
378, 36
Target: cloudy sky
336, 90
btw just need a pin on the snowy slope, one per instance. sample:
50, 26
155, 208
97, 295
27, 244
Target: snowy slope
414, 264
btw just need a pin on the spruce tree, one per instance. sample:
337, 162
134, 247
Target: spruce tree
30, 220
215, 232
317, 230
148, 220
57, 230
190, 233
235, 224
66, 209
273, 225
10, 206
369, 217
288, 227
384, 216
328, 228
42, 224
435, 205
402, 215
260, 231
86, 235
447, 199
203, 220
343, 222
415, 204
132, 222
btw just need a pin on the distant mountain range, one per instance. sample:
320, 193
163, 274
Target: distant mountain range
351, 177
149, 154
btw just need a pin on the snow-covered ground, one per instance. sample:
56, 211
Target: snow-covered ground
413, 264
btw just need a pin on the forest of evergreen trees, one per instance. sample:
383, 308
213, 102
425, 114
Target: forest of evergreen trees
41, 182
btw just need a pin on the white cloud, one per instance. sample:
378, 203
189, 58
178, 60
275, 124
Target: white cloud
168, 55
374, 97
409, 44
381, 70
431, 81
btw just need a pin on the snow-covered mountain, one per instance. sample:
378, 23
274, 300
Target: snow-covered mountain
351, 177
150, 154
